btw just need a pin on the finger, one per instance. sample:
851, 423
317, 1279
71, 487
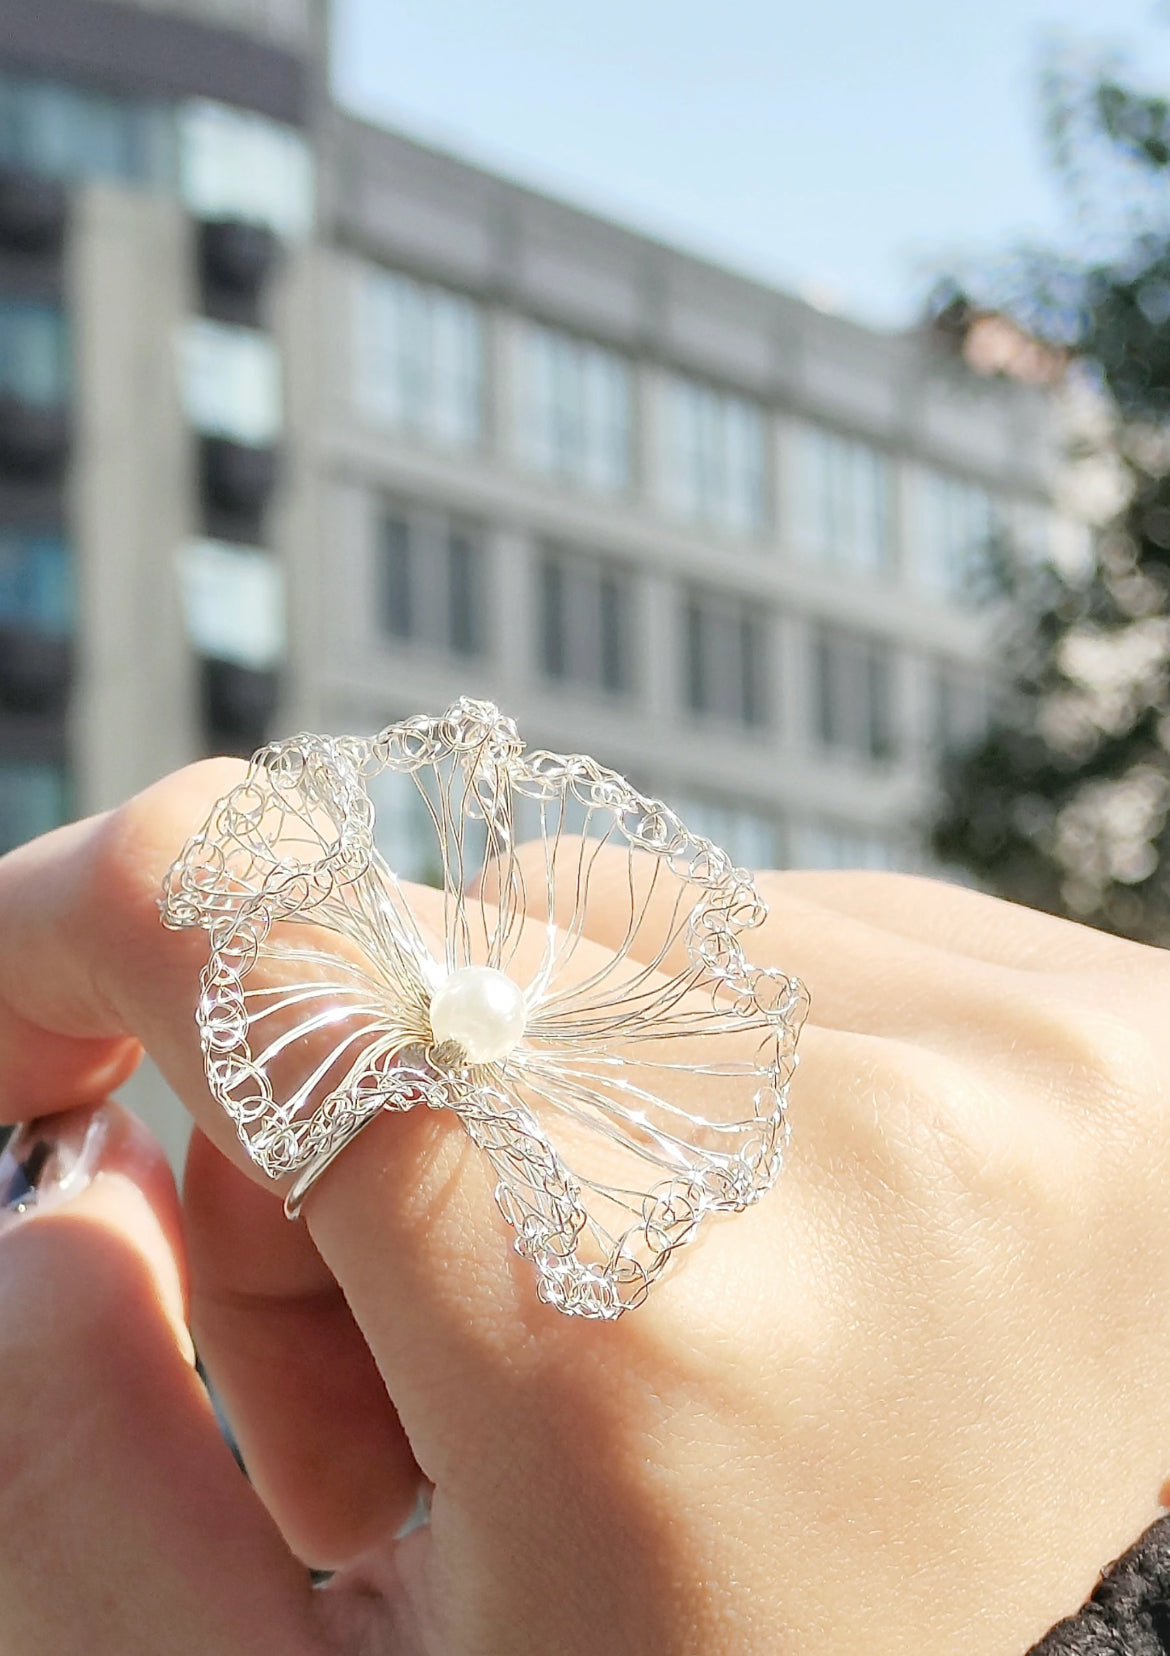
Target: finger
83, 1056
76, 907
125, 1526
84, 959
319, 1436
958, 920
865, 977
934, 913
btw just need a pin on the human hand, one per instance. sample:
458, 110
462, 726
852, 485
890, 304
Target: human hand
910, 1401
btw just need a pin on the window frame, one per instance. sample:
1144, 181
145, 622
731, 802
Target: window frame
36, 366
957, 521
707, 655
854, 694
48, 605
839, 480
56, 797
420, 358
703, 479
416, 573
595, 652
580, 433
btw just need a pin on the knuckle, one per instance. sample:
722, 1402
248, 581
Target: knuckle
1111, 1065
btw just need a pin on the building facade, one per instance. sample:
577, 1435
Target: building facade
306, 425
728, 543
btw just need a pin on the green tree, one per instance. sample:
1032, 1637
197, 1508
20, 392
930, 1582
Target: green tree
1065, 803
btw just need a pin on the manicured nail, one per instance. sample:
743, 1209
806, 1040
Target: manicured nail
46, 1162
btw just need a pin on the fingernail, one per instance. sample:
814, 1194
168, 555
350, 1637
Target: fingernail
48, 1161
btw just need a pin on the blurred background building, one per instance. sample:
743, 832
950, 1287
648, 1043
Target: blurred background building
306, 425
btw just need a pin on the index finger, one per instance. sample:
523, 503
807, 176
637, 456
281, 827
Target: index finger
78, 947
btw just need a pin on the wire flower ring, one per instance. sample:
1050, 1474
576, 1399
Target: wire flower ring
623, 1067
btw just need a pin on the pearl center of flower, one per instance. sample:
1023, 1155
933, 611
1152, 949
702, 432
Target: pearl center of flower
481, 1010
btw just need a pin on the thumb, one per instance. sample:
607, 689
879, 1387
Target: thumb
125, 1525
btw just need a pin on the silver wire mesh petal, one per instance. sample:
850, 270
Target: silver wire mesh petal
650, 1086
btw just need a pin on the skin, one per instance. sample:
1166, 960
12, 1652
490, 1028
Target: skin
914, 1400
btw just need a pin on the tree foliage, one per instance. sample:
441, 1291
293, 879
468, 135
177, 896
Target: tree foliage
1065, 803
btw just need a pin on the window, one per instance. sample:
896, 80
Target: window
403, 829
750, 836
956, 526
841, 845
841, 497
575, 403
36, 583
235, 164
961, 706
585, 614
405, 807
431, 583
418, 351
725, 649
34, 352
224, 162
72, 132
713, 457
233, 603
230, 381
33, 799
853, 694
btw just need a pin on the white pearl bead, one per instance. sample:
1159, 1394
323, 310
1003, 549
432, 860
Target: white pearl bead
481, 1010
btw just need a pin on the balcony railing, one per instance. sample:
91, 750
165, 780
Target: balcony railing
236, 256
36, 671
34, 440
32, 213
236, 483
238, 705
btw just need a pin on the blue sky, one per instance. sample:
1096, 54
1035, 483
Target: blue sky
843, 148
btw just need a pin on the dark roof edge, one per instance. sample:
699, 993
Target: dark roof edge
370, 130
121, 48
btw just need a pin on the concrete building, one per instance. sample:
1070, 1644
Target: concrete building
723, 540
306, 425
